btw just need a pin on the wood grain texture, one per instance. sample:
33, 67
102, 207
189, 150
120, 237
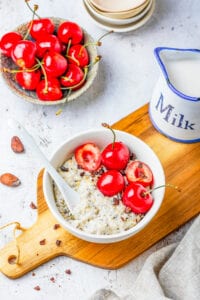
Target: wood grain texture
181, 163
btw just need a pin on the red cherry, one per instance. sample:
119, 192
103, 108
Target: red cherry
138, 171
78, 55
23, 54
115, 156
41, 27
8, 41
73, 77
88, 156
70, 31
50, 93
47, 42
55, 64
137, 197
111, 183
28, 80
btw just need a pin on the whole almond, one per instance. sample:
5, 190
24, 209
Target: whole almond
16, 145
9, 179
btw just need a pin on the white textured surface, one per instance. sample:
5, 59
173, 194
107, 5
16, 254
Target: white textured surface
127, 75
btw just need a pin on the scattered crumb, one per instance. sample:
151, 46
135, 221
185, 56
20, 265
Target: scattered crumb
56, 226
68, 271
43, 242
37, 288
52, 279
58, 242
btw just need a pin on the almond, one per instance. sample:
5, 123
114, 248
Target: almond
9, 179
33, 206
17, 145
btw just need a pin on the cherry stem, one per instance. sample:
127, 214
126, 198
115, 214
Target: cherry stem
97, 43
68, 46
85, 69
36, 67
31, 23
89, 44
114, 135
59, 111
105, 34
29, 29
96, 60
67, 78
74, 59
78, 84
35, 8
161, 186
45, 75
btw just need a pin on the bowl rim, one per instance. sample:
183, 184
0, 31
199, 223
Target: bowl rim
103, 8
100, 238
119, 21
30, 96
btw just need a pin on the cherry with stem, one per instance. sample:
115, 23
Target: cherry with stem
115, 155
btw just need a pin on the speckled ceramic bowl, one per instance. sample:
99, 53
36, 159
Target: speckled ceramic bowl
31, 96
102, 137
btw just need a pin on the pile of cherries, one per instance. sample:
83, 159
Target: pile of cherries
49, 60
120, 174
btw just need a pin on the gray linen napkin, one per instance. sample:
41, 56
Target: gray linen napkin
172, 272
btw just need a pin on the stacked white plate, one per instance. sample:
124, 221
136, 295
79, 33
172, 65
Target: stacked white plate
118, 15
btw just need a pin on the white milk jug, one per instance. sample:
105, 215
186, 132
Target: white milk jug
175, 105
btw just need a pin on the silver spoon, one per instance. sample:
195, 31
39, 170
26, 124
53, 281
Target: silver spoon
70, 196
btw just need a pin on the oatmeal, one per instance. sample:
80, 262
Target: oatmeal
96, 213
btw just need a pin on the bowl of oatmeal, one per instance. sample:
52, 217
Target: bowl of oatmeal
101, 218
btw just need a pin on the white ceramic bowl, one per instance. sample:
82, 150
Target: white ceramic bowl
102, 137
117, 21
117, 5
121, 28
120, 14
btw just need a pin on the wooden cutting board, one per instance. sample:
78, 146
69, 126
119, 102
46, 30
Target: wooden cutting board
181, 163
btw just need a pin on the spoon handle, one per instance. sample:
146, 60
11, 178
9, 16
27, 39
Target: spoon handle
61, 183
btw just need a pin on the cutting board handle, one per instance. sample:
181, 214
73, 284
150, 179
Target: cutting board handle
35, 246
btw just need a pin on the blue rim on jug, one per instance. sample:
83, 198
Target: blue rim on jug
165, 73
173, 113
